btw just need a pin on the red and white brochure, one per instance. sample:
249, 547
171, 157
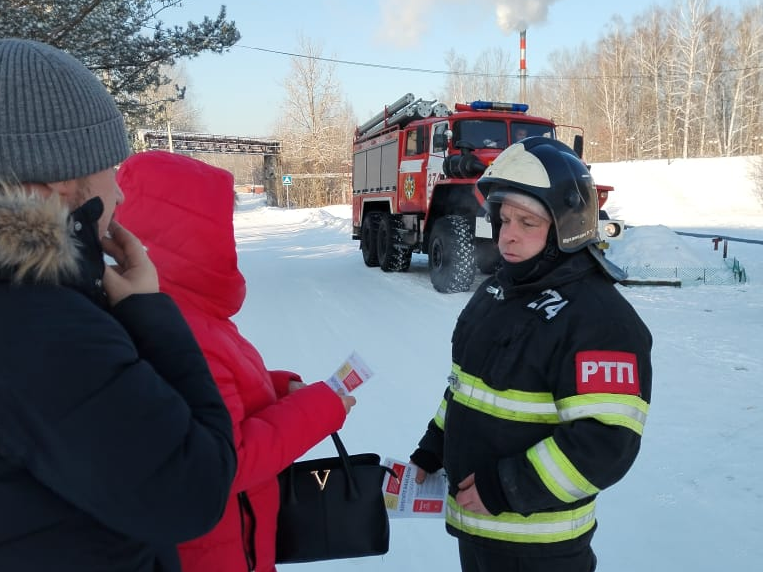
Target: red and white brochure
350, 375
405, 498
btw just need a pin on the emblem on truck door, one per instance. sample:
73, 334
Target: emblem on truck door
409, 188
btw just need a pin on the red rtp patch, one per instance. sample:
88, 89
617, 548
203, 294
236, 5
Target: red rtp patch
607, 372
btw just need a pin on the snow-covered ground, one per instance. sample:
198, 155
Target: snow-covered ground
691, 502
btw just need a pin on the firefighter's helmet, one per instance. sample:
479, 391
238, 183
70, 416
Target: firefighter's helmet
551, 172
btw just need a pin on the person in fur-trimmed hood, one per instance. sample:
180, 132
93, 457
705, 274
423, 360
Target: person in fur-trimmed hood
276, 417
115, 444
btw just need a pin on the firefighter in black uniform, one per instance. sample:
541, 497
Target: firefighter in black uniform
551, 376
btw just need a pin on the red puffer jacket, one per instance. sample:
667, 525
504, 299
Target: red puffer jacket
182, 210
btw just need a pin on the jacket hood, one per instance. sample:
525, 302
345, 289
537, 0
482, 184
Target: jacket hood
182, 210
36, 241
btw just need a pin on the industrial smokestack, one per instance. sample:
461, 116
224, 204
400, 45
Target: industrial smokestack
523, 66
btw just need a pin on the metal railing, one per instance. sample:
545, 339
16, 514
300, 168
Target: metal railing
731, 273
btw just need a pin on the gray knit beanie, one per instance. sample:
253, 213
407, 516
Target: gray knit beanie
57, 121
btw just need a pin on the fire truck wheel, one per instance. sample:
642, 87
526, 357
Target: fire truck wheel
451, 255
394, 256
368, 240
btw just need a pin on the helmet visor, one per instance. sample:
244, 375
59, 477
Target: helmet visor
522, 201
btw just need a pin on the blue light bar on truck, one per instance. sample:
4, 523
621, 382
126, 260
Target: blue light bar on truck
499, 106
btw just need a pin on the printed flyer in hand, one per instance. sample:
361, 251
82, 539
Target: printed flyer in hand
350, 375
405, 498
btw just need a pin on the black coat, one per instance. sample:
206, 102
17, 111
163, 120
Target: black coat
539, 353
114, 442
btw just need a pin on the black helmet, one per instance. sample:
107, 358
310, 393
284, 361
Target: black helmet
551, 172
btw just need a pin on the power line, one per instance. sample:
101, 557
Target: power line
674, 75
378, 66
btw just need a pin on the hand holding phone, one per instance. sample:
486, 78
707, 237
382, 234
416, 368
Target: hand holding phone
133, 273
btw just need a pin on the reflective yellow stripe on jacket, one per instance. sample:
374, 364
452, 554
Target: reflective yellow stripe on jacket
558, 473
539, 528
510, 404
439, 418
608, 408
628, 411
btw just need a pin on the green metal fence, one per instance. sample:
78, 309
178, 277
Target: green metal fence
731, 273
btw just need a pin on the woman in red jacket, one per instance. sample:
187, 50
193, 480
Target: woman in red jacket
182, 210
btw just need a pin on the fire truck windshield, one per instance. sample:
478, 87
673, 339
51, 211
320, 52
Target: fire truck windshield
481, 134
521, 130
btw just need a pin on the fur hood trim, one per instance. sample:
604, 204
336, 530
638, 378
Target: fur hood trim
36, 241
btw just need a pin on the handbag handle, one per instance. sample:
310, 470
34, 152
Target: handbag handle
345, 458
346, 462
351, 484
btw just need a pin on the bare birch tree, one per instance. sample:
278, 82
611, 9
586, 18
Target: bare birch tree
689, 25
651, 47
315, 127
709, 134
746, 59
457, 85
562, 93
169, 106
495, 76
614, 86
491, 78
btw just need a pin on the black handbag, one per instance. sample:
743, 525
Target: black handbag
332, 508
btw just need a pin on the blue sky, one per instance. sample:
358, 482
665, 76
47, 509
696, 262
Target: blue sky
240, 92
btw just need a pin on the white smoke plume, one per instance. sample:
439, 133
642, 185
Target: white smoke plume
405, 22
517, 15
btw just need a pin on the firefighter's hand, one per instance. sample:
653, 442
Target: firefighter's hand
133, 273
468, 497
425, 462
421, 475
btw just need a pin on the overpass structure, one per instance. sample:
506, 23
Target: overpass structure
269, 149
206, 143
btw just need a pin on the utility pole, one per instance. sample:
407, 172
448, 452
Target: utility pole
169, 136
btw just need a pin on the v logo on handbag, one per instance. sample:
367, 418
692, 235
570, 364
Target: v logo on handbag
321, 481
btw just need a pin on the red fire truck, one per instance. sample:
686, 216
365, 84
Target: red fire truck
415, 165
